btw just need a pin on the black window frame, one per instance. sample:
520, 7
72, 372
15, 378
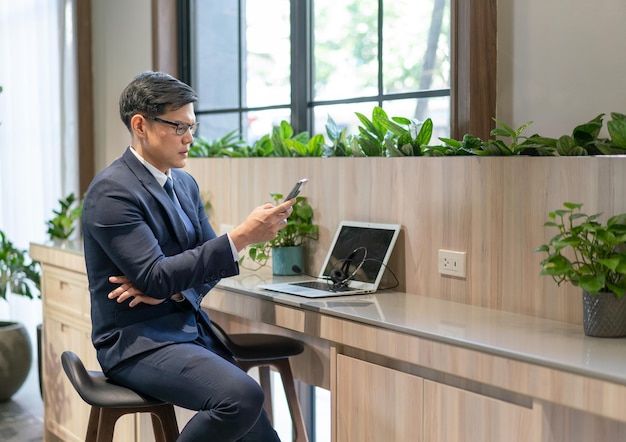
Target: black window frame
472, 91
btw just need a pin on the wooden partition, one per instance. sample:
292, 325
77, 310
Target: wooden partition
493, 208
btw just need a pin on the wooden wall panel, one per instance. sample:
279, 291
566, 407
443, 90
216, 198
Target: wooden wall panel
492, 208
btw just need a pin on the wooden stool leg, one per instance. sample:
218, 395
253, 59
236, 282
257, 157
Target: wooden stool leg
106, 425
164, 423
292, 399
266, 384
92, 425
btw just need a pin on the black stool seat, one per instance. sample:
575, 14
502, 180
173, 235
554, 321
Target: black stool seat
264, 350
110, 401
253, 346
95, 388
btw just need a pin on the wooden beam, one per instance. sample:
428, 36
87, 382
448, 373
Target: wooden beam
165, 36
474, 57
86, 144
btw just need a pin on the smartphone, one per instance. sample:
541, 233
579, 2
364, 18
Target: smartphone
296, 189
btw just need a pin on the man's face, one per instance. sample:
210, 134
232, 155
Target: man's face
161, 146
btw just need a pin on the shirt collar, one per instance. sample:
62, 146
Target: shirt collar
158, 175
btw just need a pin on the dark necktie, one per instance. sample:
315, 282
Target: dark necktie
169, 188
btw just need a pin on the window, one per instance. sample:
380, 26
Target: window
255, 63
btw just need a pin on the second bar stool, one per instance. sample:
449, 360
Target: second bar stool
265, 350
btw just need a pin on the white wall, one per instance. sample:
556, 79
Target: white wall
122, 48
560, 62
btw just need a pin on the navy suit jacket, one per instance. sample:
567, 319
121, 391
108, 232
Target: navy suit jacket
131, 228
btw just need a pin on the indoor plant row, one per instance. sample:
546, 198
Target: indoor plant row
384, 136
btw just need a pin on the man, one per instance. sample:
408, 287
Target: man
151, 256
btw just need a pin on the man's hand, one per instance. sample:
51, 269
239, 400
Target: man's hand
128, 290
262, 224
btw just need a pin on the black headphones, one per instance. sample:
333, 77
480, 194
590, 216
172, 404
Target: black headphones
341, 276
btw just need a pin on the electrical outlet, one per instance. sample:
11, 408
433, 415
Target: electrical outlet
451, 263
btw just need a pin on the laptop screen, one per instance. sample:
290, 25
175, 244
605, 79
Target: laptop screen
360, 250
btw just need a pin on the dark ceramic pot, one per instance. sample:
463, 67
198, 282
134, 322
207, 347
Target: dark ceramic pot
15, 358
604, 315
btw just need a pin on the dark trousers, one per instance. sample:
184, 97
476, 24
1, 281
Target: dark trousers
202, 376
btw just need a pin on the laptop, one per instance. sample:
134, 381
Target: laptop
355, 262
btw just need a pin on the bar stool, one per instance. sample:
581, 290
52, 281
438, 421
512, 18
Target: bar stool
110, 401
262, 351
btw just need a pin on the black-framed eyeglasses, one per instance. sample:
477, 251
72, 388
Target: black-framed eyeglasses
181, 128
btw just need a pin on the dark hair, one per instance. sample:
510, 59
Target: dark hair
154, 93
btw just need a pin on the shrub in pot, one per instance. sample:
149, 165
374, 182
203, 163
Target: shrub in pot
591, 255
290, 240
19, 275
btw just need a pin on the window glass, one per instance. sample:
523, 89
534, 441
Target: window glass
345, 49
358, 58
215, 54
344, 115
260, 122
267, 53
437, 109
215, 126
416, 45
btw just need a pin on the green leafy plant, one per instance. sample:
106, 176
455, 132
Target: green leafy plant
510, 142
585, 138
585, 252
518, 144
18, 273
228, 145
381, 135
391, 136
299, 229
406, 141
63, 224
371, 138
342, 144
452, 147
287, 143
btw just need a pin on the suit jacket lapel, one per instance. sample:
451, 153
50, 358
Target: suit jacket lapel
150, 183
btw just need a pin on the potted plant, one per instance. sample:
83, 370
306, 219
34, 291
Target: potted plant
590, 255
63, 223
19, 275
287, 249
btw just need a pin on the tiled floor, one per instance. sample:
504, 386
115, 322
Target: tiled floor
21, 418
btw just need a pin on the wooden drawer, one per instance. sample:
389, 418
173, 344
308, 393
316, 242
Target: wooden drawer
66, 291
290, 318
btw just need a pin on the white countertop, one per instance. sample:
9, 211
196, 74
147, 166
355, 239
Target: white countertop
538, 341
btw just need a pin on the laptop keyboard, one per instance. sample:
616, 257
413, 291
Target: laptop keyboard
322, 286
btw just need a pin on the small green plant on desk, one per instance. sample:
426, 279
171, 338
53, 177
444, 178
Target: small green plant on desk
299, 229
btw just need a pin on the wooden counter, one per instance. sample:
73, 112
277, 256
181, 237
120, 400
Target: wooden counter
399, 366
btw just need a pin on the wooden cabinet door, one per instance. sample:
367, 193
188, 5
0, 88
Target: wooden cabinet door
65, 413
374, 403
67, 326
452, 414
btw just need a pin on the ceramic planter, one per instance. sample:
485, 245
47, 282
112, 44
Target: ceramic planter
15, 358
604, 315
285, 258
